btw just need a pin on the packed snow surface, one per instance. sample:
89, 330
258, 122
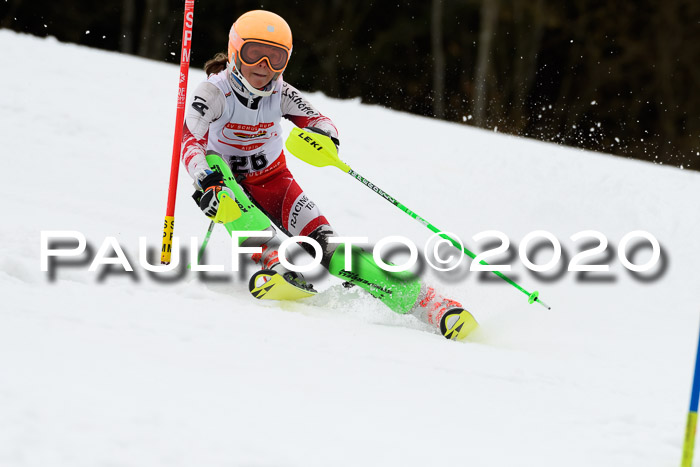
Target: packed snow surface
110, 368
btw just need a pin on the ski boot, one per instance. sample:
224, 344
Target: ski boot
448, 316
271, 265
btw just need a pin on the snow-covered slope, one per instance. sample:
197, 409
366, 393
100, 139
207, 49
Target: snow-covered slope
121, 369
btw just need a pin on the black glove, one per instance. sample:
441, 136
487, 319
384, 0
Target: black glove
212, 184
313, 129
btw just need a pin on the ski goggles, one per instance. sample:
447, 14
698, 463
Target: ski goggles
253, 53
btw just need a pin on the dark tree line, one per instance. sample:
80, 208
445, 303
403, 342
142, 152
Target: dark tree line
613, 76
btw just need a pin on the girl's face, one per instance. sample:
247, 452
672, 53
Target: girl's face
257, 75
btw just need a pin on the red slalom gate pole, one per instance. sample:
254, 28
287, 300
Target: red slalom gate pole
169, 225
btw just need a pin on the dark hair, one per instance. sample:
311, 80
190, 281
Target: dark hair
216, 64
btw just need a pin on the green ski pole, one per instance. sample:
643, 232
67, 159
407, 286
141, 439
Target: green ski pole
318, 150
206, 241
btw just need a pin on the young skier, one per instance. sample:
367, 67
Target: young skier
234, 118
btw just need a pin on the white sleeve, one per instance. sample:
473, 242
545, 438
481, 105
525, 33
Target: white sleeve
296, 108
207, 106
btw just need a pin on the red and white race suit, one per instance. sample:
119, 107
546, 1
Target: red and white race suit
226, 119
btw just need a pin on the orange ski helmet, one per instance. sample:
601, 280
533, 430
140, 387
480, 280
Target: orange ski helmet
260, 35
